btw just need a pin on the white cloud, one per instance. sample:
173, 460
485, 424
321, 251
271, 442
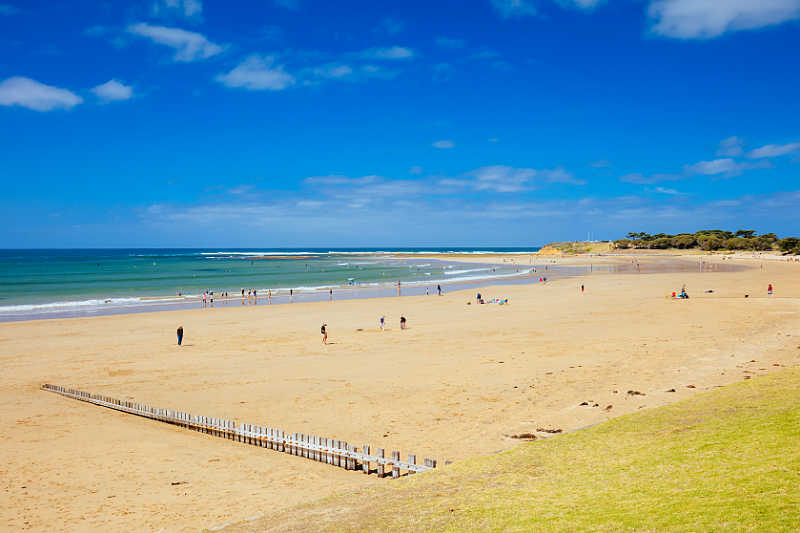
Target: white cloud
664, 190
188, 45
392, 52
706, 19
112, 91
333, 70
731, 147
559, 175
514, 8
258, 73
717, 166
6, 9
443, 144
500, 178
187, 8
586, 4
29, 93
292, 5
504, 179
446, 42
774, 150
339, 179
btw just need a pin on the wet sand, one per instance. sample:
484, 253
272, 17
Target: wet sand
457, 383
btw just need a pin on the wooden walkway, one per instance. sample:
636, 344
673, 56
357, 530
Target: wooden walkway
333, 452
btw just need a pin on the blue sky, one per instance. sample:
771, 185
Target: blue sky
303, 123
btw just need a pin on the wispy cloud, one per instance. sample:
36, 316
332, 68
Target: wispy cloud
706, 19
25, 92
725, 167
186, 8
113, 91
664, 190
258, 73
506, 179
391, 52
514, 8
446, 42
731, 147
189, 46
445, 144
774, 150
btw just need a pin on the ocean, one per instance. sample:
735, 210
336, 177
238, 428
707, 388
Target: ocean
67, 283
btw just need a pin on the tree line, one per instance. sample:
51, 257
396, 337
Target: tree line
710, 240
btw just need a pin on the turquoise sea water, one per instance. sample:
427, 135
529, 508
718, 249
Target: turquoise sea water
52, 283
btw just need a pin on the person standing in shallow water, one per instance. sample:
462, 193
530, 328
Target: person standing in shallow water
180, 335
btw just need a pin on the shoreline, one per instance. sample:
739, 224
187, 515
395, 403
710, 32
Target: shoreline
456, 384
555, 267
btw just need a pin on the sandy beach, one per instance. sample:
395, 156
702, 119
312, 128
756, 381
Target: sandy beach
456, 384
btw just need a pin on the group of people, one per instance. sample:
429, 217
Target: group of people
382, 322
207, 298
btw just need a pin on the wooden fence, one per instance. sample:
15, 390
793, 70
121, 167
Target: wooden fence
333, 452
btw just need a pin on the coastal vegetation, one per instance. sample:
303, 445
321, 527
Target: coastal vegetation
711, 240
722, 460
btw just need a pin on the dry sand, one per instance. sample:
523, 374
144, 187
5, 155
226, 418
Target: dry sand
454, 385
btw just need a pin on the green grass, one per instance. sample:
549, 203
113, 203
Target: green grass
725, 460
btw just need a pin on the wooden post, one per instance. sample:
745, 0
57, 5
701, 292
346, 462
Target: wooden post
381, 470
365, 464
395, 468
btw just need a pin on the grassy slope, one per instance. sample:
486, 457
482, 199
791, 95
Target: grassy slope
724, 460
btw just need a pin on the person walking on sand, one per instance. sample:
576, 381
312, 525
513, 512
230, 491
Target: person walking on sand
769, 289
383, 319
180, 335
581, 288
324, 331
402, 322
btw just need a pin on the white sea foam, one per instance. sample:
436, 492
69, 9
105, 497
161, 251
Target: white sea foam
453, 272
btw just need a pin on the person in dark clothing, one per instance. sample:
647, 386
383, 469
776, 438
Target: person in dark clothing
324, 331
439, 289
180, 335
402, 322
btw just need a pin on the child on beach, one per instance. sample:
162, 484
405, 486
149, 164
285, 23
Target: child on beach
324, 331
382, 322
402, 322
769, 289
